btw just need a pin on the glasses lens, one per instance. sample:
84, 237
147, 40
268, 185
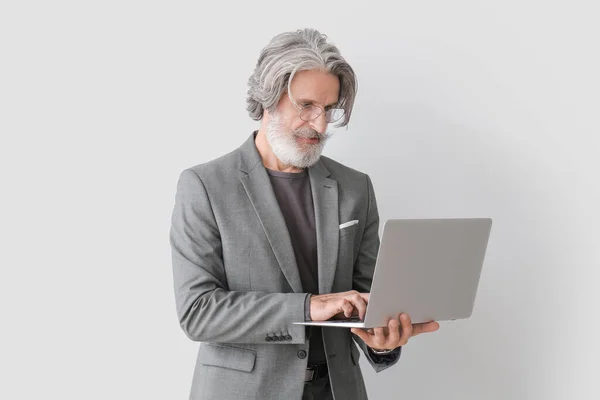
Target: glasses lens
335, 114
309, 113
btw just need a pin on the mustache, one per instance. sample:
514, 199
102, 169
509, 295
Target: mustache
307, 133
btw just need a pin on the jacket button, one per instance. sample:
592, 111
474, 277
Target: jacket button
302, 354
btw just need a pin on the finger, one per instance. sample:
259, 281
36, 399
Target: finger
394, 332
365, 296
347, 308
361, 333
359, 304
380, 338
406, 328
426, 327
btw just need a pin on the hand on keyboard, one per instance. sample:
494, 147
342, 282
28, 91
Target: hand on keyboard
324, 307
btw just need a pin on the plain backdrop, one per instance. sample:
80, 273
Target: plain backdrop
464, 109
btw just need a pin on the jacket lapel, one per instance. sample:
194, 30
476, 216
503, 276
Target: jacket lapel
325, 200
258, 187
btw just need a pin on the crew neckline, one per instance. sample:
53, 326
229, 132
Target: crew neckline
288, 175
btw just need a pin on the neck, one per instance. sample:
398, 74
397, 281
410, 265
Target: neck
269, 159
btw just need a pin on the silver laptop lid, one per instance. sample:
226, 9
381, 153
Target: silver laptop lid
429, 268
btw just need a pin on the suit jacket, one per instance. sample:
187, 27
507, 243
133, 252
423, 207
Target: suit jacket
237, 285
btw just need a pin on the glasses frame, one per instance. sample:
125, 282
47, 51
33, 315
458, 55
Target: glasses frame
301, 109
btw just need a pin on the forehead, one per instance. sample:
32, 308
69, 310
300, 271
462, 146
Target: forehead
317, 86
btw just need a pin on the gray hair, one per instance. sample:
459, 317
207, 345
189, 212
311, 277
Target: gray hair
291, 52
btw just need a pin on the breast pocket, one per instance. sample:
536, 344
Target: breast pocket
347, 252
348, 228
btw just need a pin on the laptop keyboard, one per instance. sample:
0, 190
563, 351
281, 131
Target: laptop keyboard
351, 319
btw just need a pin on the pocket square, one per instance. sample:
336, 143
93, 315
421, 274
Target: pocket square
349, 223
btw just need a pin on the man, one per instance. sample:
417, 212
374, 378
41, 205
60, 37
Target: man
259, 241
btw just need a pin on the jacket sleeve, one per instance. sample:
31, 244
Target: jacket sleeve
207, 310
364, 268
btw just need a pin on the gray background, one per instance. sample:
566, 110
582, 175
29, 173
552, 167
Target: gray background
465, 108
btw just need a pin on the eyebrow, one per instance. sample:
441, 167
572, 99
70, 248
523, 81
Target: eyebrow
312, 102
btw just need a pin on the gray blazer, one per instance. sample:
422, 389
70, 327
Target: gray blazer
237, 286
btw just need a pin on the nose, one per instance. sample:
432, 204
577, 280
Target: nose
319, 124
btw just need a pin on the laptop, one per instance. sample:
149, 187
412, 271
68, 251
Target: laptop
428, 268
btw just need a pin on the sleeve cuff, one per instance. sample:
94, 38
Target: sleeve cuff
383, 357
307, 308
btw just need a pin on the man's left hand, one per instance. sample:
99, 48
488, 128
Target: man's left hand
396, 334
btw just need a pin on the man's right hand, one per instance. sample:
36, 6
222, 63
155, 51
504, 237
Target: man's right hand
346, 304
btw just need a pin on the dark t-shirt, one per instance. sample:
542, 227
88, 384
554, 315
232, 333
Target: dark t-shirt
294, 196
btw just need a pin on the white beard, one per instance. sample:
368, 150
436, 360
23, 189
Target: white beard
286, 148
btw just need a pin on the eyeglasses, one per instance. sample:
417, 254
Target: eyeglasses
309, 112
